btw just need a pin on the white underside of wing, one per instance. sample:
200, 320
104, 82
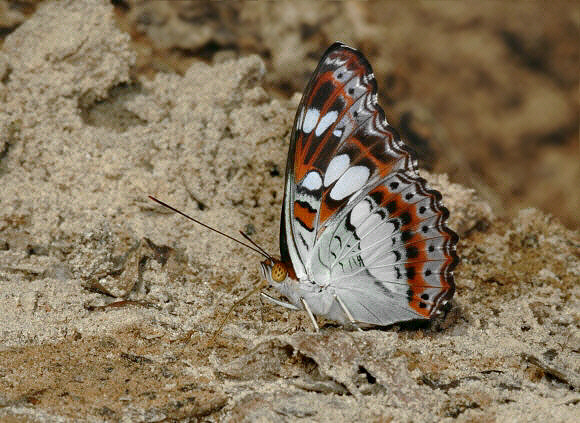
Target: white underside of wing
361, 258
297, 263
365, 300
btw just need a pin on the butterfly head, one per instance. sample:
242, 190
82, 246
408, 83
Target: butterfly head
276, 271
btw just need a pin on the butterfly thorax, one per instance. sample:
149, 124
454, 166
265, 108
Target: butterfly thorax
281, 276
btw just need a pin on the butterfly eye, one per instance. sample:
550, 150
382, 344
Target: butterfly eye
279, 272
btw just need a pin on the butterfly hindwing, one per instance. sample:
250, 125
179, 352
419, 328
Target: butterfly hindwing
391, 245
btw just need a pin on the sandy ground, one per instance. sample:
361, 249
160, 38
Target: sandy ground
108, 303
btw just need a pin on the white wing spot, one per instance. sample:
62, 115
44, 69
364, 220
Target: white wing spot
351, 181
337, 132
373, 231
300, 119
335, 168
368, 228
326, 120
359, 212
310, 120
312, 182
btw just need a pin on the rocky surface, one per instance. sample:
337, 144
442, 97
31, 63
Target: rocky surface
109, 304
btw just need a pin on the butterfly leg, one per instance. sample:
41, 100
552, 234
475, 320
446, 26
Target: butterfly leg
309, 312
278, 302
261, 314
347, 312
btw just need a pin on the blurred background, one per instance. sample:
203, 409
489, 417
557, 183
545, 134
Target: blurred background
487, 92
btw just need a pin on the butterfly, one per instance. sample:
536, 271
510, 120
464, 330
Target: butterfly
363, 240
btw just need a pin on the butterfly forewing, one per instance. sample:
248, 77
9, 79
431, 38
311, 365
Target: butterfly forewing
356, 216
340, 143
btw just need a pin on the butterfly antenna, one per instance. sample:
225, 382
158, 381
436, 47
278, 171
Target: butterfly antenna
257, 250
246, 236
